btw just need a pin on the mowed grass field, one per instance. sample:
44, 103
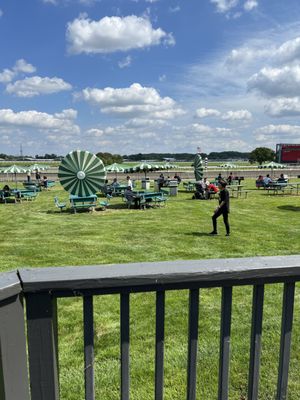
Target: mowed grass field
36, 234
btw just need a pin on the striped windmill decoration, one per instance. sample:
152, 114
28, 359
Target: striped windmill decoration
81, 173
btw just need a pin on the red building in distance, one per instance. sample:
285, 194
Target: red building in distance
288, 153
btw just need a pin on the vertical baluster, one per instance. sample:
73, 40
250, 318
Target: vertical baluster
286, 338
42, 341
225, 343
193, 344
88, 328
124, 346
255, 341
159, 345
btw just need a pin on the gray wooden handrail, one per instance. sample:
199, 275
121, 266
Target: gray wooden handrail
211, 272
41, 288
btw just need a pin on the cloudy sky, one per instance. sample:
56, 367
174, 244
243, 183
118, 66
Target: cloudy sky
128, 76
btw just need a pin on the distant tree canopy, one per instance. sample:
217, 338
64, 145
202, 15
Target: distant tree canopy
262, 154
109, 158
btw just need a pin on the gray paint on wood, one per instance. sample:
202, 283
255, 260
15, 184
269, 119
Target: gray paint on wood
286, 339
237, 270
159, 345
88, 334
9, 285
255, 341
225, 343
14, 384
125, 333
42, 342
192, 344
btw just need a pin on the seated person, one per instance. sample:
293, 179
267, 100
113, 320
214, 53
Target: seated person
130, 196
267, 180
219, 178
160, 181
230, 178
115, 183
206, 182
176, 176
282, 179
45, 182
211, 188
200, 190
6, 191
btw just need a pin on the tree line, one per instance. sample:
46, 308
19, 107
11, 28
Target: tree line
260, 155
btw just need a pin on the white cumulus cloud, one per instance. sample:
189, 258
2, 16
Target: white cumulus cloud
111, 34
237, 115
21, 66
284, 82
274, 133
207, 112
283, 107
132, 101
63, 121
36, 85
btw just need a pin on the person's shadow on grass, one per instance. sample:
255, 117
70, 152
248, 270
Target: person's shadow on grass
289, 208
198, 234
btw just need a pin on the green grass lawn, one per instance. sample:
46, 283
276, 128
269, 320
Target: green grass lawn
36, 234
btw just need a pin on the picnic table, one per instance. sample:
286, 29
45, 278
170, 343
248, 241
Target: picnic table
86, 202
143, 198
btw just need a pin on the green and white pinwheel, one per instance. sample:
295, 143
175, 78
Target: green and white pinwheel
198, 167
81, 173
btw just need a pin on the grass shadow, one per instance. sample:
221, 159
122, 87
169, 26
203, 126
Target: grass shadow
198, 234
289, 208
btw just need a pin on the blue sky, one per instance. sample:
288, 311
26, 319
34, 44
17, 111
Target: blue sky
129, 76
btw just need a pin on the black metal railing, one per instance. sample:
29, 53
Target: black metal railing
42, 287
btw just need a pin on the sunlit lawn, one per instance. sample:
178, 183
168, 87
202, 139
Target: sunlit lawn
36, 234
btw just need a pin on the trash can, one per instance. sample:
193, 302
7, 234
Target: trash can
146, 183
173, 187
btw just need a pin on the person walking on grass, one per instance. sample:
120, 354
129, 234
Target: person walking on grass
222, 209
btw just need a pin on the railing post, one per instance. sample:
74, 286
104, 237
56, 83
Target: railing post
42, 346
88, 329
286, 339
255, 341
13, 361
192, 344
225, 343
159, 345
125, 332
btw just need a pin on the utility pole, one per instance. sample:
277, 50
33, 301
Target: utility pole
21, 152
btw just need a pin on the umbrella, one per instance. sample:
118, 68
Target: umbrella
229, 166
81, 173
145, 167
198, 167
115, 167
39, 167
14, 169
272, 165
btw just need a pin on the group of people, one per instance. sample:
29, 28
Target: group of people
204, 189
40, 182
162, 181
267, 181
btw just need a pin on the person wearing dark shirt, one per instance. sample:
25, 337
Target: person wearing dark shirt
222, 209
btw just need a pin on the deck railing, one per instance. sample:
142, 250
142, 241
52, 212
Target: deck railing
42, 287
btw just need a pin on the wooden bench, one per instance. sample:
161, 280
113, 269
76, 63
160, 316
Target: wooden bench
88, 202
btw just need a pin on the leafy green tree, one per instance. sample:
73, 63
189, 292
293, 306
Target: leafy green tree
262, 154
109, 158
